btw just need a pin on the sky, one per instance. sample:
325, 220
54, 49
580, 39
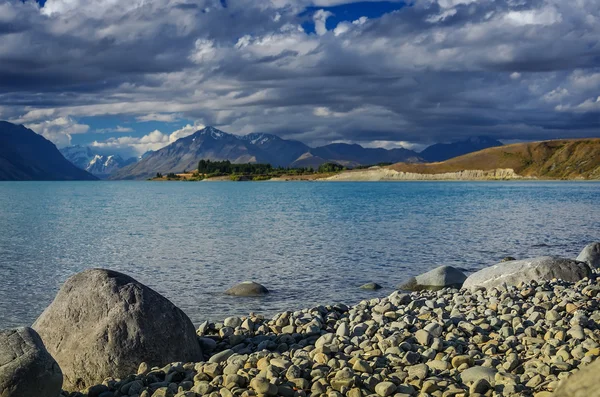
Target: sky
131, 76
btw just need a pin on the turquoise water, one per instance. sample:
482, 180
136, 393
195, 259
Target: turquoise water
310, 243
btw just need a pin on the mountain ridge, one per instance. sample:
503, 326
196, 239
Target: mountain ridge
445, 151
27, 156
215, 145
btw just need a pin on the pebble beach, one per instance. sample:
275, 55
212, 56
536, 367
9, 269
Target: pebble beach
495, 336
517, 341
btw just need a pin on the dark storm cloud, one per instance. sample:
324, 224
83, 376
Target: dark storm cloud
434, 70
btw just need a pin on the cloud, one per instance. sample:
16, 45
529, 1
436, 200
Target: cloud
153, 141
434, 70
320, 19
164, 117
589, 105
187, 130
117, 129
59, 130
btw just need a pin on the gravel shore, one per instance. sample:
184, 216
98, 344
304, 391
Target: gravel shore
515, 341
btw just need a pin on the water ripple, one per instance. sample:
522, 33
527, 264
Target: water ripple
310, 243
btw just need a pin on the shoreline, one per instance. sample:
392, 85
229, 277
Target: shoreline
382, 175
517, 328
512, 329
401, 344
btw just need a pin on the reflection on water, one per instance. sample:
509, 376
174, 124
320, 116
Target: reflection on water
310, 243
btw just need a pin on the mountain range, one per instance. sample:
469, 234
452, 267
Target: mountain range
25, 155
446, 151
213, 144
95, 163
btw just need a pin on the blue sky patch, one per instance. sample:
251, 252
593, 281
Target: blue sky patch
350, 12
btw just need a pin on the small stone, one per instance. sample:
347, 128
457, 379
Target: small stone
343, 330
263, 386
570, 308
385, 389
232, 322
429, 387
362, 366
460, 360
423, 337
221, 356
475, 373
143, 369
480, 386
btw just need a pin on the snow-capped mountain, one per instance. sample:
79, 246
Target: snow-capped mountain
96, 164
78, 155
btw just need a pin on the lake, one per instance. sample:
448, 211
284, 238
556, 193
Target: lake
308, 242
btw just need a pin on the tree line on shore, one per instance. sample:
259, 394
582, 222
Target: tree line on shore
254, 171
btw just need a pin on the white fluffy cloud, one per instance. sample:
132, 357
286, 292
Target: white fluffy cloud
59, 130
320, 19
153, 141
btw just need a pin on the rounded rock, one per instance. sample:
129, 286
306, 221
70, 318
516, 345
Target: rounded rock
247, 288
385, 389
438, 278
591, 255
513, 273
104, 324
26, 367
371, 286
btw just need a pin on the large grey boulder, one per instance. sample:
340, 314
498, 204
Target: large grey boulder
438, 278
584, 383
540, 269
247, 288
591, 255
103, 323
26, 367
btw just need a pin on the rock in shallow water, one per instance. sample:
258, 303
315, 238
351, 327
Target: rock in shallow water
247, 288
371, 286
438, 278
513, 273
26, 367
103, 323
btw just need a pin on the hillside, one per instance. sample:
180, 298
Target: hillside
26, 156
560, 159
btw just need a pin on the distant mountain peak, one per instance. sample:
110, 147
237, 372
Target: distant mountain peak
95, 163
212, 131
